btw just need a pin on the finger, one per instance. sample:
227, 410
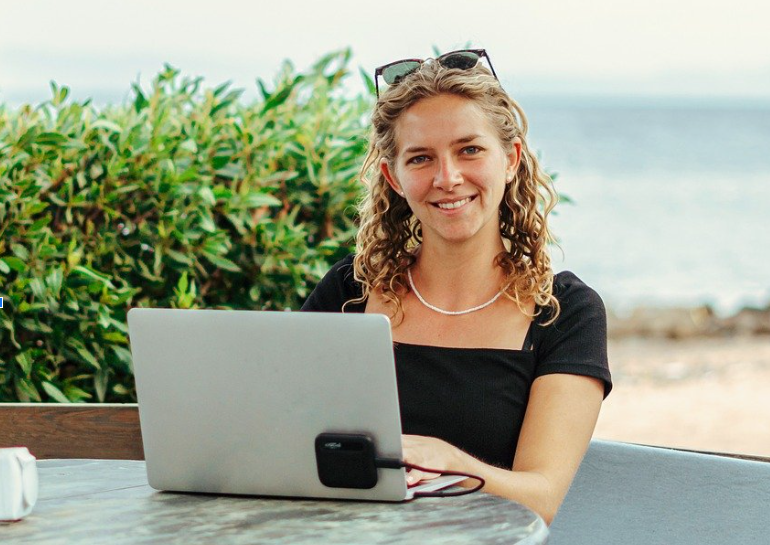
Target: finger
413, 477
416, 476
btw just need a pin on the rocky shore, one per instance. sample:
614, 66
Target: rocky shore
687, 323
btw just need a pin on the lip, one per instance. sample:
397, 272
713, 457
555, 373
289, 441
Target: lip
445, 201
469, 198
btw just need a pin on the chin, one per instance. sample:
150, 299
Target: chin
457, 237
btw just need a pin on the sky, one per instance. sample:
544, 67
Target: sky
669, 48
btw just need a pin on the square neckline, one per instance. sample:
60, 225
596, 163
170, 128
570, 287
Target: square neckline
526, 348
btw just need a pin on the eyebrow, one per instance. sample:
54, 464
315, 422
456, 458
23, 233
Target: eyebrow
463, 140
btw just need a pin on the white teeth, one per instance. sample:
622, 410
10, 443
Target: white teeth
451, 205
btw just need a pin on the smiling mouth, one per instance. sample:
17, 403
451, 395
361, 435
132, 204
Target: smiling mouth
454, 204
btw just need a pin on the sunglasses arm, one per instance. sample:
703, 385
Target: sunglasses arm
490, 66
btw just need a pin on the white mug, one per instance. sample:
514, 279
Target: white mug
18, 483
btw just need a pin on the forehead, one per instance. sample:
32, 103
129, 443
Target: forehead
441, 119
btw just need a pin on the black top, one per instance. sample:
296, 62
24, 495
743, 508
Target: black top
475, 398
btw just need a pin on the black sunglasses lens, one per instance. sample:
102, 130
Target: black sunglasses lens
463, 60
396, 72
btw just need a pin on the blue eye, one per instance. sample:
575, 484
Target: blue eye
417, 160
471, 150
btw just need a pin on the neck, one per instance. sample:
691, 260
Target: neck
458, 277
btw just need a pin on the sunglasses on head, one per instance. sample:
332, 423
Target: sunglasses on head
462, 59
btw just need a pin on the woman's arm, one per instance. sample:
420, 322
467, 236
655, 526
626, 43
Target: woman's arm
559, 421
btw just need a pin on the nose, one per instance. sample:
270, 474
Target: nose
448, 175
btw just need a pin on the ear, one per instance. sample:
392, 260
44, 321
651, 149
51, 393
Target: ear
385, 169
514, 158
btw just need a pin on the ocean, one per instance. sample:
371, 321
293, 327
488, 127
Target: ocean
670, 200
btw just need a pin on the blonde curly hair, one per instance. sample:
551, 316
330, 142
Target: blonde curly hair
389, 233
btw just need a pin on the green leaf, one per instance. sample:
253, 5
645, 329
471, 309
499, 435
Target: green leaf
27, 138
14, 263
368, 81
73, 144
75, 394
189, 145
121, 390
219, 161
55, 280
87, 272
39, 224
20, 251
221, 88
189, 174
120, 297
119, 325
262, 89
27, 307
222, 262
182, 284
50, 139
89, 358
59, 93
106, 125
26, 391
54, 392
232, 171
180, 257
122, 354
33, 325
4, 268
222, 192
115, 337
37, 207
96, 171
279, 97
25, 363
256, 199
207, 195
227, 100
37, 285
140, 102
207, 223
101, 379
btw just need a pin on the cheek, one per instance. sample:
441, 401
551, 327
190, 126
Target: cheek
416, 182
494, 179
498, 187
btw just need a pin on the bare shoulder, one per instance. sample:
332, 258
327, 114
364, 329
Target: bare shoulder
377, 304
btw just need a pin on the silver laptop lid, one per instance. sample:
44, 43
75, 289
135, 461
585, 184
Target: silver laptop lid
231, 401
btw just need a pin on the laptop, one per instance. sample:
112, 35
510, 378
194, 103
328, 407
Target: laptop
232, 402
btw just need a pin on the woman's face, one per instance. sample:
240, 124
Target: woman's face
451, 168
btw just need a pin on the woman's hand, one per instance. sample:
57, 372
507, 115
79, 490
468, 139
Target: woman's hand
428, 452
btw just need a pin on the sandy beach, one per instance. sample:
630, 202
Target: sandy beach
699, 393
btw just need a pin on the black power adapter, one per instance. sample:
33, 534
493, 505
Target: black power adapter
346, 461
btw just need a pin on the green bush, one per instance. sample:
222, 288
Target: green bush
185, 197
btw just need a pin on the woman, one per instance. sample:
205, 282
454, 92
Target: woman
501, 365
